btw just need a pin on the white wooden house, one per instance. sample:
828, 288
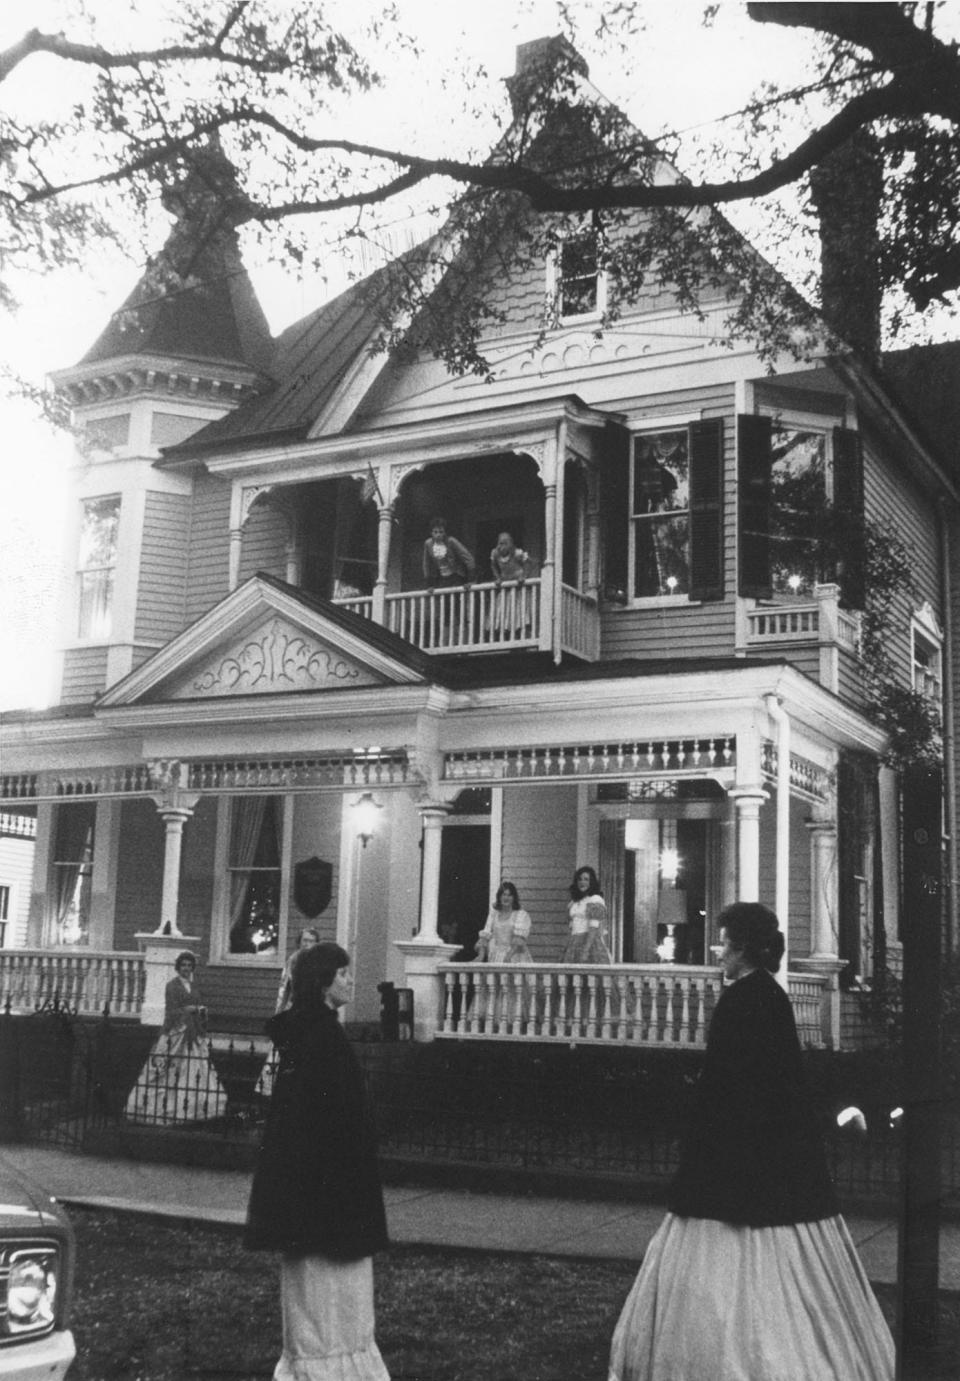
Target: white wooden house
268, 718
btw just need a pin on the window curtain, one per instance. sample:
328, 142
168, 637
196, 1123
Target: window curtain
612, 858
74, 860
246, 827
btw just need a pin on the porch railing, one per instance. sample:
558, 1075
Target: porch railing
468, 618
579, 624
624, 1004
85, 983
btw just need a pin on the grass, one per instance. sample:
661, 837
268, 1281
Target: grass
166, 1301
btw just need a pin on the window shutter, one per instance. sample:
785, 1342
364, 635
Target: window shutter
754, 462
706, 509
848, 503
615, 498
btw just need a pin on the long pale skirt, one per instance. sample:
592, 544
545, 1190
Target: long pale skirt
328, 1321
718, 1302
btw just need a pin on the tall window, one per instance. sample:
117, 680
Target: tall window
800, 486
5, 891
800, 508
73, 872
580, 280
254, 867
97, 563
660, 508
927, 658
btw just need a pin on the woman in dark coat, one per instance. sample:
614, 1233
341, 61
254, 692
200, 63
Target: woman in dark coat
753, 1273
316, 1193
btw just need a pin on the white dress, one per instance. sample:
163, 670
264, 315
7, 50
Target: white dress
504, 937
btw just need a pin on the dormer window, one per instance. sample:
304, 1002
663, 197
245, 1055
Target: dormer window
579, 283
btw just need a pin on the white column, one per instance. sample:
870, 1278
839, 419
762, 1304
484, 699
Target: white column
433, 816
547, 580
748, 800
384, 535
176, 809
823, 887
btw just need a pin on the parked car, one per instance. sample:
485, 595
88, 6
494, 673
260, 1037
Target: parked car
37, 1254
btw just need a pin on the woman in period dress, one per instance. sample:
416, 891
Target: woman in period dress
509, 613
178, 1083
588, 918
316, 1195
305, 940
752, 1273
503, 940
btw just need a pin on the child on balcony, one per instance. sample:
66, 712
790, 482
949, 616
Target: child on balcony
445, 560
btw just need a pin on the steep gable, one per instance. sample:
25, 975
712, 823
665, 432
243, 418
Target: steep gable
266, 638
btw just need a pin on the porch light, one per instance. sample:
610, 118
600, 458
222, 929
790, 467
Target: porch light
794, 581
669, 864
366, 817
671, 583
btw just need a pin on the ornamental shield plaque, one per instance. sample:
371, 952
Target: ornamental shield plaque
312, 886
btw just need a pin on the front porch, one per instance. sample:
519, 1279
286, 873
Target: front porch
636, 1005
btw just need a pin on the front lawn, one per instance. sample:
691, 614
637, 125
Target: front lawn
166, 1301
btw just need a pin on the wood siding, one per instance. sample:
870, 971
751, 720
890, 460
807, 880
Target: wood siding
209, 559
264, 546
16, 872
84, 674
161, 593
538, 856
139, 872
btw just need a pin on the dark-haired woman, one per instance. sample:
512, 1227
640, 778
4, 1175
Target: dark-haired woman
178, 1083
752, 1273
316, 1195
588, 919
503, 940
307, 938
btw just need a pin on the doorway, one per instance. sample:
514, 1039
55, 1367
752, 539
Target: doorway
464, 895
661, 878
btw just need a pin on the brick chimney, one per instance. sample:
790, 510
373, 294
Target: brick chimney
847, 190
537, 62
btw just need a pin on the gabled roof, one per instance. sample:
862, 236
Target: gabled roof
268, 638
926, 380
311, 358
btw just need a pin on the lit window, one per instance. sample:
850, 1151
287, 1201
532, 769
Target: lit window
580, 279
4, 913
927, 657
256, 824
799, 492
73, 872
97, 563
660, 511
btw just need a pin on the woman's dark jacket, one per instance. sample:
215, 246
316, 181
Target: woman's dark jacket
753, 1153
316, 1188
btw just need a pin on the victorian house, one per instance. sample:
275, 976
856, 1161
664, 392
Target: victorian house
273, 715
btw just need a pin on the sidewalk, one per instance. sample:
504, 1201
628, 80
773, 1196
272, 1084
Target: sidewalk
420, 1216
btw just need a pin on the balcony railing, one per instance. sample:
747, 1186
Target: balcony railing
485, 618
622, 1004
87, 983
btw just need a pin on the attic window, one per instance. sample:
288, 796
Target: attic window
580, 288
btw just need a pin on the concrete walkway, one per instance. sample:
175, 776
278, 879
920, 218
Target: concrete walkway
427, 1217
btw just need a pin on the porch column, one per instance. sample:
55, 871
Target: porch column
236, 539
824, 900
432, 816
426, 950
384, 534
748, 800
547, 582
176, 809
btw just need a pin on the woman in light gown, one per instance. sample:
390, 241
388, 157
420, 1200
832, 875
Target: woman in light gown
752, 1276
178, 1083
503, 940
588, 918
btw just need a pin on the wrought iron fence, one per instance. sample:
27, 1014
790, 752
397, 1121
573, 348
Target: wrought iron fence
583, 1120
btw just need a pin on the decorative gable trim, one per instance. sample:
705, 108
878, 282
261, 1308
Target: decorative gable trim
263, 639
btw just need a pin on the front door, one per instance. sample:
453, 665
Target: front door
464, 899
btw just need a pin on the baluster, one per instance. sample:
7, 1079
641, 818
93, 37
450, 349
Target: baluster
668, 1034
449, 980
623, 989
577, 1003
685, 1030
606, 981
548, 995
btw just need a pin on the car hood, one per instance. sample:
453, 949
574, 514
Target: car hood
25, 1205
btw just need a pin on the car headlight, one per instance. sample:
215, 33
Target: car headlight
31, 1290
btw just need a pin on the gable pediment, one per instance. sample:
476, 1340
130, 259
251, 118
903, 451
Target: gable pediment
273, 656
267, 639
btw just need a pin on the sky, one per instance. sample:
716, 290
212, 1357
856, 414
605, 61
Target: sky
682, 76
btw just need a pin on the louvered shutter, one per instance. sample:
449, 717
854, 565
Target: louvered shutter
754, 462
615, 500
848, 501
706, 509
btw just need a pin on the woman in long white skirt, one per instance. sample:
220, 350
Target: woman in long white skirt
752, 1276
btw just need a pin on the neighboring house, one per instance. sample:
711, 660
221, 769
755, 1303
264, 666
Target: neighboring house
270, 718
17, 836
